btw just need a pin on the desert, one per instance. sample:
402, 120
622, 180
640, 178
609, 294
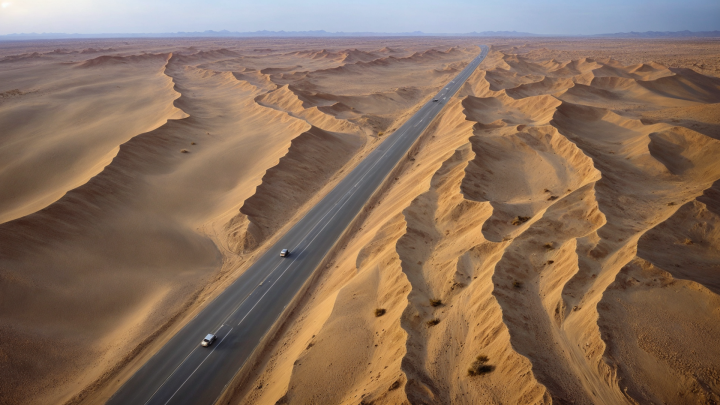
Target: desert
552, 237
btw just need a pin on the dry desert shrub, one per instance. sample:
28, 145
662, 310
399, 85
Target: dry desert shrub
520, 220
380, 312
480, 366
433, 322
435, 302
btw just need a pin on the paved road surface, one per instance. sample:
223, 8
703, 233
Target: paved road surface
183, 372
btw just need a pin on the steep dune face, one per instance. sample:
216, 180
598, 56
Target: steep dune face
642, 71
376, 93
450, 286
522, 174
527, 111
547, 85
398, 261
436, 67
289, 184
703, 118
152, 176
552, 238
306, 107
74, 116
51, 283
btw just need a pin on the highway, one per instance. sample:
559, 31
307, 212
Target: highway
182, 371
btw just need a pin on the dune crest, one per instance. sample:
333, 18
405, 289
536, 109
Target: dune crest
288, 185
77, 129
552, 237
526, 228
140, 156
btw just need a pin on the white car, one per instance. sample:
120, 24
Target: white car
284, 253
209, 339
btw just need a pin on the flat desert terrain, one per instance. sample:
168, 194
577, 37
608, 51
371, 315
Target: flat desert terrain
553, 237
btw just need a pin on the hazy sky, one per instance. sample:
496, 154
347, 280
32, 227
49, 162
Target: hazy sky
440, 16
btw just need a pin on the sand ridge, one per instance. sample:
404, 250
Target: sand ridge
544, 232
547, 221
136, 231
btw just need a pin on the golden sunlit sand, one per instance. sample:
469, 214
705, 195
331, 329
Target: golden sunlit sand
533, 246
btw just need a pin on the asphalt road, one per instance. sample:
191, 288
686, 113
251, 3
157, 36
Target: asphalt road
183, 372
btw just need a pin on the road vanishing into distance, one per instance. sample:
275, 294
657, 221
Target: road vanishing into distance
182, 371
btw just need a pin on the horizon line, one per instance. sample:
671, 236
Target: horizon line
323, 33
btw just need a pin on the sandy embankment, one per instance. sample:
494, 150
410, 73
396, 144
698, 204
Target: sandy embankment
150, 196
560, 218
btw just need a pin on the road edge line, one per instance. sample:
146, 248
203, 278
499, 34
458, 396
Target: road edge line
262, 347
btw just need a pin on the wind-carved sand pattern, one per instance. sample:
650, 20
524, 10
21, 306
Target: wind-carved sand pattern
138, 180
553, 237
558, 224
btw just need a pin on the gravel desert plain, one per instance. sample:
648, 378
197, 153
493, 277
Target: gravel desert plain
553, 237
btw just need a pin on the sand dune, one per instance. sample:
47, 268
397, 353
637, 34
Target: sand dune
574, 68
58, 121
547, 85
536, 110
143, 194
121, 174
643, 71
554, 219
289, 184
703, 118
553, 236
305, 107
685, 84
501, 79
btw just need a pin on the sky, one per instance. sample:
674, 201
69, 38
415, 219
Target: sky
564, 17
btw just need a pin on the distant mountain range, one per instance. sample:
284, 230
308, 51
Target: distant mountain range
321, 33
231, 34
662, 34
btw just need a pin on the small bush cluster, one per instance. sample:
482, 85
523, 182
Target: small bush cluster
517, 284
433, 322
380, 312
480, 366
520, 220
435, 302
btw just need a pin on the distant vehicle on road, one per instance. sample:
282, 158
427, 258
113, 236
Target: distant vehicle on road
209, 339
284, 253
434, 100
